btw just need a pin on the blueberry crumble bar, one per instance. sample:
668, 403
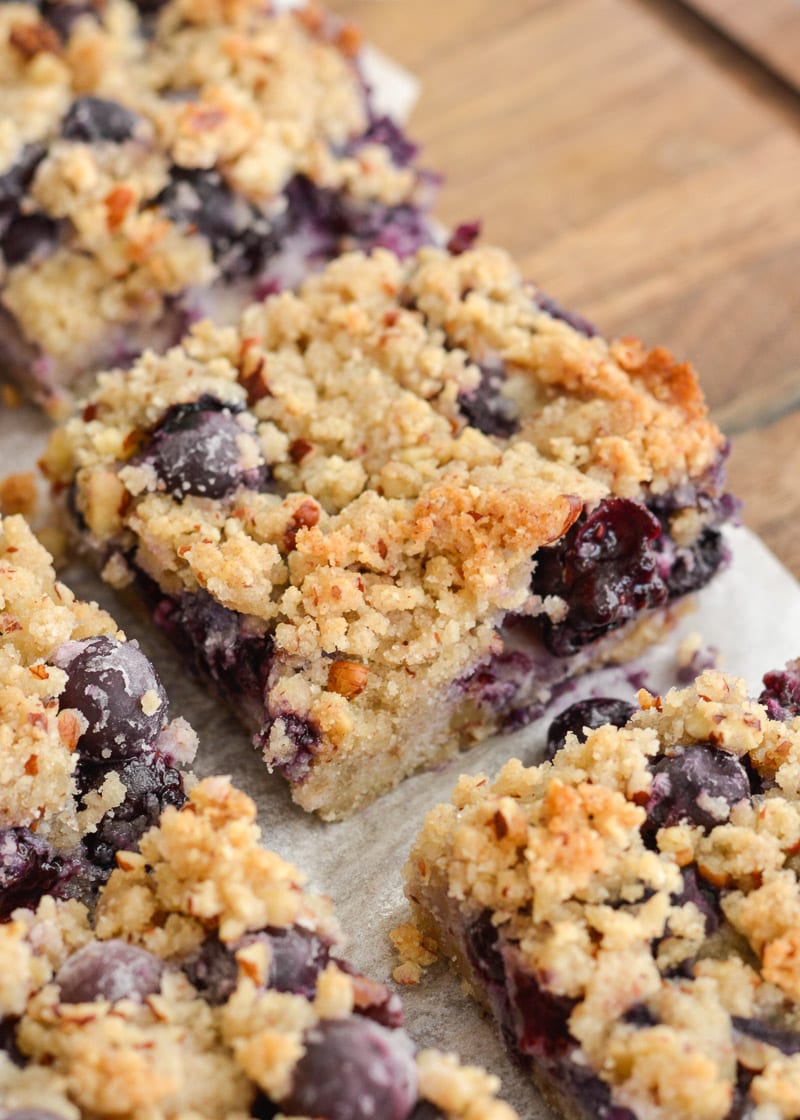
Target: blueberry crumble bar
630, 909
386, 514
207, 985
163, 161
88, 755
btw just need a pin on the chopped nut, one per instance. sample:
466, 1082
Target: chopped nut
348, 678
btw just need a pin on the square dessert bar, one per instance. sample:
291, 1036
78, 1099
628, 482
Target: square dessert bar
207, 985
630, 910
88, 755
163, 161
386, 514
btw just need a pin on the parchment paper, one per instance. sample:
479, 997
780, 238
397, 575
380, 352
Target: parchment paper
751, 614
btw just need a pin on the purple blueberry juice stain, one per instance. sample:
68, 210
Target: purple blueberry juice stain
463, 238
383, 130
117, 691
354, 1069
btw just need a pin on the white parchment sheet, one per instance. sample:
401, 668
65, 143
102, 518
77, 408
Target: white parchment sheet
751, 614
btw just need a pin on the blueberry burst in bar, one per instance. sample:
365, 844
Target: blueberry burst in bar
386, 514
160, 162
630, 911
208, 986
88, 754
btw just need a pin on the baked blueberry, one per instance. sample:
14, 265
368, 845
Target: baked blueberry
111, 970
354, 1069
29, 868
697, 785
587, 714
92, 119
117, 691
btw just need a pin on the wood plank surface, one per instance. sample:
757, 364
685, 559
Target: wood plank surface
645, 172
768, 28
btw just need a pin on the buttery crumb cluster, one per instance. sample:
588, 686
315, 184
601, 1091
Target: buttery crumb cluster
320, 498
204, 987
157, 161
630, 911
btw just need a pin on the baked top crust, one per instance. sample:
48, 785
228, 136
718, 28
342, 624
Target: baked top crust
645, 882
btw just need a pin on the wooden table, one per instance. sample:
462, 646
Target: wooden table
641, 158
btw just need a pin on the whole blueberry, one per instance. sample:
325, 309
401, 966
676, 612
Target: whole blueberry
605, 569
92, 119
109, 970
781, 693
197, 451
27, 237
241, 238
354, 1069
15, 181
297, 956
596, 712
115, 687
29, 868
697, 785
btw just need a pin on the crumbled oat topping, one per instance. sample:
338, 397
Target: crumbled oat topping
598, 912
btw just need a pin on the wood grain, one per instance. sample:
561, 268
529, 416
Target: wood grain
769, 28
641, 169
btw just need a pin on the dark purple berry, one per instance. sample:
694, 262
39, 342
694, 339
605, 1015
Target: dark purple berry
697, 785
781, 694
117, 690
693, 565
62, 15
354, 1069
197, 451
596, 712
705, 898
15, 181
782, 1038
92, 119
297, 956
427, 1111
486, 408
151, 784
606, 570
242, 238
111, 970
29, 868
27, 237
463, 238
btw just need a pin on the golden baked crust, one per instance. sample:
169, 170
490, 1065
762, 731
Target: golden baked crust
659, 999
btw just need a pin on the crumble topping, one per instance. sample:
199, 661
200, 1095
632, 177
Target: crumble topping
114, 1018
590, 900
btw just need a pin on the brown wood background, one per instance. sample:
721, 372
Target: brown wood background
644, 167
